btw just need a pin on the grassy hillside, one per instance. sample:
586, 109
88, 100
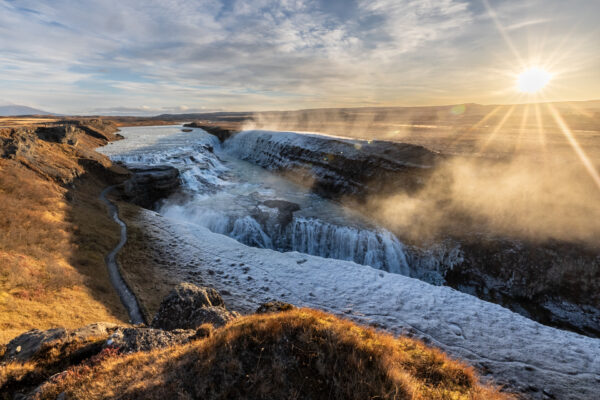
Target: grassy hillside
55, 232
291, 355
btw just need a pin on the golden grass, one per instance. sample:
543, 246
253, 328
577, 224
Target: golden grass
296, 354
52, 270
52, 358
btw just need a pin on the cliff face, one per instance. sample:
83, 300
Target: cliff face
555, 282
335, 167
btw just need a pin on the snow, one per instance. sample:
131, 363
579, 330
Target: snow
514, 350
534, 359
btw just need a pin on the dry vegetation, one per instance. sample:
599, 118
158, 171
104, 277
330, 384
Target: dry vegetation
291, 355
51, 359
54, 236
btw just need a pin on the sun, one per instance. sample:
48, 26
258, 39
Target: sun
533, 80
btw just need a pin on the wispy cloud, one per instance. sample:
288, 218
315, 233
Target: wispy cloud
89, 55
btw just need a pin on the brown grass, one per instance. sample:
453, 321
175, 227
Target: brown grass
52, 358
53, 239
299, 354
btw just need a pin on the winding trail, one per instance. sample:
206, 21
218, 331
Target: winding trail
127, 297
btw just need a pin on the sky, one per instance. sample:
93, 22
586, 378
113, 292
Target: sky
148, 57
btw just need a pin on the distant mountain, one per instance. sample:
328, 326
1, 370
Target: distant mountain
13, 109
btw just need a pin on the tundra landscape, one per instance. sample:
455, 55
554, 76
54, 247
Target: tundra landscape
299, 200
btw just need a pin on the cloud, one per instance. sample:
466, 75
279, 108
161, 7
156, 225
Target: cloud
233, 53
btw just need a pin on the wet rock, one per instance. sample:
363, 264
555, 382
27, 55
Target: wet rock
274, 307
149, 185
188, 306
285, 210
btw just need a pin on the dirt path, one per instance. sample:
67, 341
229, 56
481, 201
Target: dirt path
127, 297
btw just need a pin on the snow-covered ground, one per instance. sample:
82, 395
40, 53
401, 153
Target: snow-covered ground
541, 361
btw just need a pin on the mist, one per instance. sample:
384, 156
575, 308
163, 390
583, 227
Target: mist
509, 170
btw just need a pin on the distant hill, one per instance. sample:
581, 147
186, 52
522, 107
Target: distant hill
14, 109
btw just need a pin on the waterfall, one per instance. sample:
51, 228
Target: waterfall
379, 249
227, 201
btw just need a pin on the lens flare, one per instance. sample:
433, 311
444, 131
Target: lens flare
533, 80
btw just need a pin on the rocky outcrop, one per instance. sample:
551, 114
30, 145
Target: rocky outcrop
222, 133
36, 343
275, 215
335, 167
149, 185
18, 143
189, 306
555, 283
58, 134
132, 340
43, 148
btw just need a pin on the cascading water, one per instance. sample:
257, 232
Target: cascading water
258, 208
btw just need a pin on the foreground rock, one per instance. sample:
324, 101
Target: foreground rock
34, 344
37, 358
132, 340
189, 306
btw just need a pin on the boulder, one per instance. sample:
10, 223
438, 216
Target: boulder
285, 210
188, 306
274, 307
32, 344
151, 184
131, 340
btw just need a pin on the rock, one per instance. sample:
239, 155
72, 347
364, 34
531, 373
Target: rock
58, 134
131, 340
148, 185
19, 144
274, 307
335, 167
31, 344
285, 210
222, 133
188, 306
